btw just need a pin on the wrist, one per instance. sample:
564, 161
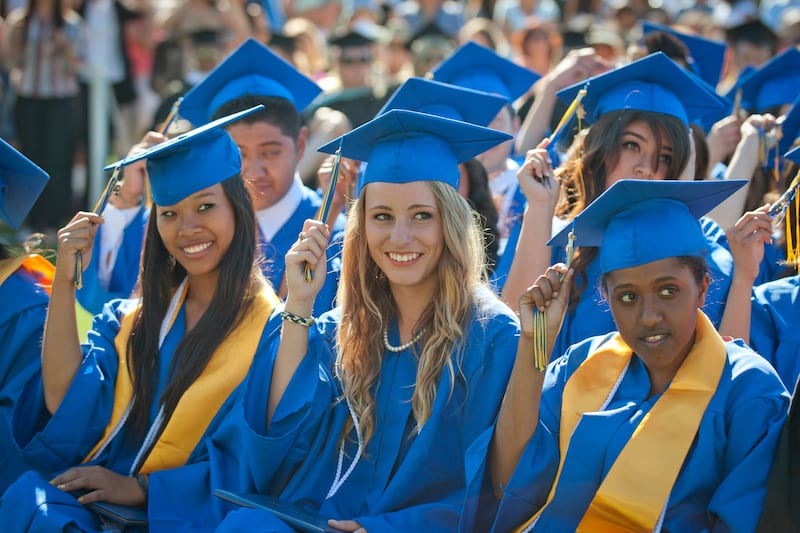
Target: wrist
143, 480
305, 320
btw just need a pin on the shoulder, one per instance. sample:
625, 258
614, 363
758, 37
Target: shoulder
490, 312
748, 376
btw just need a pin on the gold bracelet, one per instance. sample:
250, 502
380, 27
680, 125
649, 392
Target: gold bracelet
297, 319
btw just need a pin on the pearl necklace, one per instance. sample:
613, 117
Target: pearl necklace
402, 347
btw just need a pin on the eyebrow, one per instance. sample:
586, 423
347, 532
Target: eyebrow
641, 137
656, 281
410, 208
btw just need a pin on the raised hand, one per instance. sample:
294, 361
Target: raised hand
309, 248
77, 236
746, 240
537, 181
550, 294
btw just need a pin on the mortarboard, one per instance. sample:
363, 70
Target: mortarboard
707, 56
445, 100
752, 31
635, 222
479, 68
252, 69
192, 161
790, 128
431, 30
653, 83
21, 183
775, 83
402, 146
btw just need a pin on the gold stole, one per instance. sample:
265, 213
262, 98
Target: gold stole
635, 491
199, 404
41, 267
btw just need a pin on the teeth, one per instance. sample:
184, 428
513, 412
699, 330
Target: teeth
655, 338
197, 248
402, 258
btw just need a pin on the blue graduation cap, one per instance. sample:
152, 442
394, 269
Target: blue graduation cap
707, 56
790, 128
190, 162
476, 67
402, 146
252, 69
793, 155
445, 100
21, 183
640, 221
653, 83
775, 83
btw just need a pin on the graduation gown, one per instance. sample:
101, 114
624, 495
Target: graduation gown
775, 326
274, 251
25, 296
52, 444
91, 296
404, 480
720, 486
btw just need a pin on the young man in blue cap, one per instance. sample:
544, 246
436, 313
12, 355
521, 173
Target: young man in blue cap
663, 425
271, 141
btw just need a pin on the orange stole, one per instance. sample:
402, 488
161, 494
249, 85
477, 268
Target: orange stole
199, 404
36, 265
636, 488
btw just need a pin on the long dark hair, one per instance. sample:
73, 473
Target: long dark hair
237, 286
597, 151
480, 198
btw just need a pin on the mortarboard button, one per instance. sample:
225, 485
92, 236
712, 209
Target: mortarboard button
21, 183
445, 100
191, 161
653, 83
640, 221
252, 69
402, 146
479, 68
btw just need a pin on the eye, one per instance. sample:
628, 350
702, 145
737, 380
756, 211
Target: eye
423, 215
166, 214
269, 154
204, 207
631, 145
668, 291
666, 159
381, 216
627, 297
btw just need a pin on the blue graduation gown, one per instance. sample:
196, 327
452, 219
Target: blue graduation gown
404, 481
775, 326
721, 485
274, 251
91, 296
51, 444
22, 317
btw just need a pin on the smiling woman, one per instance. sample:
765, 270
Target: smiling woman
161, 371
661, 425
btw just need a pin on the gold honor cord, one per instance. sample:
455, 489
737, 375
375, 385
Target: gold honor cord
325, 206
111, 188
540, 355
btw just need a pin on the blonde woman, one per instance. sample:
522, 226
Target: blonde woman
417, 353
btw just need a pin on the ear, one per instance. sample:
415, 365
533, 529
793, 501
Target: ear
701, 299
300, 145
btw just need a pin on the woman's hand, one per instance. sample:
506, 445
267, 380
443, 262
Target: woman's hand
576, 66
347, 525
537, 181
550, 293
746, 240
103, 485
309, 249
77, 236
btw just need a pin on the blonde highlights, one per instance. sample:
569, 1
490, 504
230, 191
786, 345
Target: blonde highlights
367, 308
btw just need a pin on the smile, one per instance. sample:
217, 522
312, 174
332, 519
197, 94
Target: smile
655, 338
403, 258
197, 248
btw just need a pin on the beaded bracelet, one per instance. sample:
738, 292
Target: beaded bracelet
297, 319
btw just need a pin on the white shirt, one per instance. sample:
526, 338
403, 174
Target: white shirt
116, 220
103, 50
271, 219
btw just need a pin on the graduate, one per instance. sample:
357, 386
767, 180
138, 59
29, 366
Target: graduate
272, 142
159, 372
639, 116
660, 425
25, 281
418, 350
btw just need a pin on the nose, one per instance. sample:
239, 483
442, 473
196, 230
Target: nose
253, 168
644, 168
651, 312
401, 232
189, 225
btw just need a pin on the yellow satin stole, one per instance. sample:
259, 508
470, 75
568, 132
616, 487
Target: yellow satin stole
636, 488
201, 401
40, 267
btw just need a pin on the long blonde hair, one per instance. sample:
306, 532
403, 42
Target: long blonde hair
367, 307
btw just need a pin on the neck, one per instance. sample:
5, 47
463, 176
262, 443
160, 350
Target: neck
410, 306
